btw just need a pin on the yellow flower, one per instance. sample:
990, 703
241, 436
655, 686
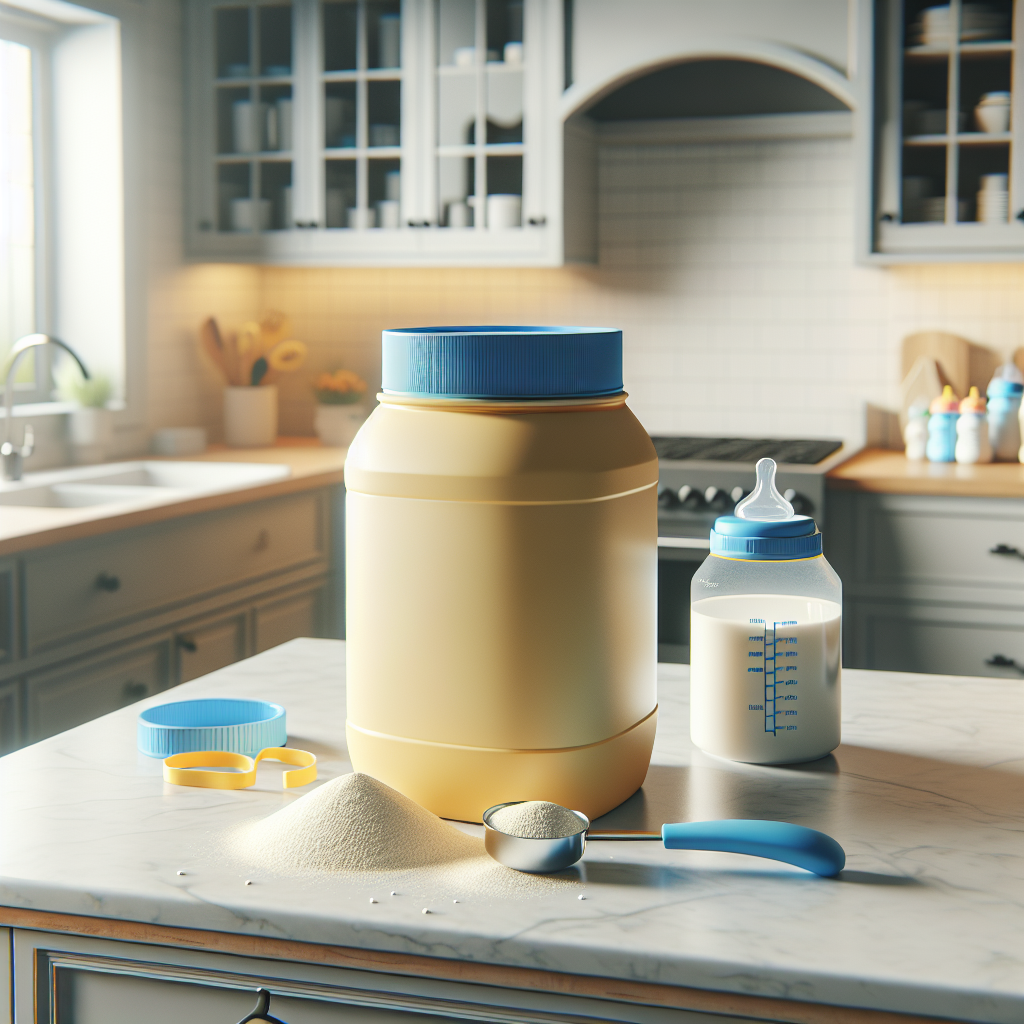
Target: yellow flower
287, 356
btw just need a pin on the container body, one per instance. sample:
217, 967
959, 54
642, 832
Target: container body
765, 653
501, 578
1004, 427
942, 436
915, 437
972, 438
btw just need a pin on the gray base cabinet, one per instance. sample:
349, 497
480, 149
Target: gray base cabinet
930, 584
97, 624
65, 979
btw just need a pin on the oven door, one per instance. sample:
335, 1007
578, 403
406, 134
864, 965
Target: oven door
678, 559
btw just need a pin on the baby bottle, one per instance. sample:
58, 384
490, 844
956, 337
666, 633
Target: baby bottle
1004, 396
945, 411
915, 433
765, 625
972, 431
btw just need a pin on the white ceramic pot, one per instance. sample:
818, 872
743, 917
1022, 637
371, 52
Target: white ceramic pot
336, 425
504, 211
250, 416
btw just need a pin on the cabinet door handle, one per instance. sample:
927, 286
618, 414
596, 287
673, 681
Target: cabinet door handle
261, 1011
107, 582
135, 690
1001, 661
186, 643
1006, 549
262, 541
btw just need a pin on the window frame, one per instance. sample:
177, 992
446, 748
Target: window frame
38, 34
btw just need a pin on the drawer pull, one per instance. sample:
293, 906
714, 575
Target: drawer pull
1001, 661
186, 643
261, 1012
262, 541
108, 583
1006, 549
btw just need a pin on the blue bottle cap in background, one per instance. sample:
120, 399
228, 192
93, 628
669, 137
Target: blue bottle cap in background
765, 540
999, 387
497, 362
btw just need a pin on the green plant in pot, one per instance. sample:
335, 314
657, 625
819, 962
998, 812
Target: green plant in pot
91, 421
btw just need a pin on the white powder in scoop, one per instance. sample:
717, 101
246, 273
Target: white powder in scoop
536, 819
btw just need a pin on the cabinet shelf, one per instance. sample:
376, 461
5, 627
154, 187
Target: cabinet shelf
967, 50
962, 138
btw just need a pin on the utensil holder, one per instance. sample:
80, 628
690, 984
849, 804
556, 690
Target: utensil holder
250, 416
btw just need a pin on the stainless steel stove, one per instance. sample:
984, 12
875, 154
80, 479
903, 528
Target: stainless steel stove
701, 478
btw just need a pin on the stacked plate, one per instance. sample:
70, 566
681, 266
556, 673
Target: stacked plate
994, 199
978, 22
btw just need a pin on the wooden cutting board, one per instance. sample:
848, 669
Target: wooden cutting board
952, 355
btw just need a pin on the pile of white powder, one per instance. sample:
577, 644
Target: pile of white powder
536, 819
357, 825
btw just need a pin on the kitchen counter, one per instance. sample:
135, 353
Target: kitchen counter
23, 528
890, 472
925, 794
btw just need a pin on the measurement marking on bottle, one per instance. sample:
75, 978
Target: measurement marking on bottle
770, 642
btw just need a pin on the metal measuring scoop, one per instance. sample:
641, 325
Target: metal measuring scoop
774, 840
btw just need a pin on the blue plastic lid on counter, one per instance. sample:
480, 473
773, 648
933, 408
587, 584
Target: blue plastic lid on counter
241, 726
502, 363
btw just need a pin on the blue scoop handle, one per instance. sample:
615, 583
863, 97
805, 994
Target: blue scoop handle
775, 840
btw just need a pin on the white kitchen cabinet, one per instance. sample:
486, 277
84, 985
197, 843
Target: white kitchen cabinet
375, 132
926, 168
930, 584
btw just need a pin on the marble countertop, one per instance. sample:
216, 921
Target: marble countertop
926, 794
23, 528
890, 472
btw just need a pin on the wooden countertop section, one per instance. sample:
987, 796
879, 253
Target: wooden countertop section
887, 472
23, 528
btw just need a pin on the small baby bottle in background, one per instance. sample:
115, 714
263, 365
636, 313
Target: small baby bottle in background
1004, 397
945, 411
972, 430
915, 433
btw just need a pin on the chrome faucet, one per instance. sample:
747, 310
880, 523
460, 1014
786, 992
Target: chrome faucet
14, 458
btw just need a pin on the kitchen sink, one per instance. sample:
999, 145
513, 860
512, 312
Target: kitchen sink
132, 483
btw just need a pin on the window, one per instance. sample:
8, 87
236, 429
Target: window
61, 193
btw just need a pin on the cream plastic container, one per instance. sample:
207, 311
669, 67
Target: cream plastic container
501, 573
765, 636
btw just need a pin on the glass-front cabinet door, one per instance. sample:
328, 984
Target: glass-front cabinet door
949, 130
363, 131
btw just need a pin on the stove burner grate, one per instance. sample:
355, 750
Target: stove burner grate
742, 449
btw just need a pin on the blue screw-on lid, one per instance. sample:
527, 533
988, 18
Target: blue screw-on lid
241, 726
502, 362
765, 540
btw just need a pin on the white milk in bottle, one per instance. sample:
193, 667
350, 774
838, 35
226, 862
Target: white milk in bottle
765, 636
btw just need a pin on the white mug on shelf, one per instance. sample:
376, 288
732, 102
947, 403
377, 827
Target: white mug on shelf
389, 213
393, 185
459, 215
250, 416
356, 218
250, 214
513, 53
504, 211
247, 125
